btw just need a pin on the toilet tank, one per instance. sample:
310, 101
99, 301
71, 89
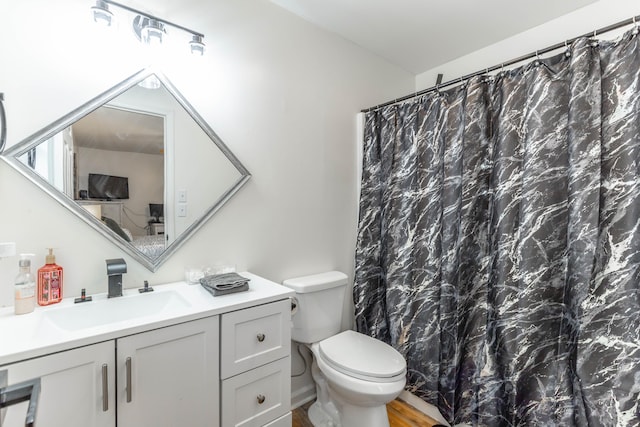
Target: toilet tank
320, 300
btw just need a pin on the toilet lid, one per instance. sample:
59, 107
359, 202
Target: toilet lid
360, 356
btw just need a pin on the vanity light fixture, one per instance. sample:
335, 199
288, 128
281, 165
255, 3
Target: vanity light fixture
152, 32
147, 28
101, 13
197, 45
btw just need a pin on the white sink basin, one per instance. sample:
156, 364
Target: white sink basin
106, 311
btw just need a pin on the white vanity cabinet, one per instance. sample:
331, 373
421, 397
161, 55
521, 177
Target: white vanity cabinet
169, 376
165, 376
255, 367
72, 393
210, 362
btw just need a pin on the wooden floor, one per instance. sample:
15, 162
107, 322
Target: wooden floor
401, 414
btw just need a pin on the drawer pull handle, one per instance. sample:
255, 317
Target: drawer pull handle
260, 399
105, 388
261, 337
127, 364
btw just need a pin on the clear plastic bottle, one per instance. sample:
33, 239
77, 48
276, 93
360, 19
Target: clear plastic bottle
25, 287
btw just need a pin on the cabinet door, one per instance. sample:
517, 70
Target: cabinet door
169, 376
71, 388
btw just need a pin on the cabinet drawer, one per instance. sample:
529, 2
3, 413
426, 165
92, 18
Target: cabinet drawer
284, 421
254, 337
257, 397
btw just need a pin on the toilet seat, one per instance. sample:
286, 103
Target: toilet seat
360, 356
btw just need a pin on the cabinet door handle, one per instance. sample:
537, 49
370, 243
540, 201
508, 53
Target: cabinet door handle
260, 399
127, 364
261, 337
105, 388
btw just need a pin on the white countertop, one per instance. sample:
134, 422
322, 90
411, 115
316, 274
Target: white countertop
35, 334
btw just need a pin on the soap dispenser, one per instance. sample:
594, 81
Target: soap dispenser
25, 287
50, 281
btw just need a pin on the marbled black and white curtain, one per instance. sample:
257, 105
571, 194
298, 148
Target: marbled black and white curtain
499, 241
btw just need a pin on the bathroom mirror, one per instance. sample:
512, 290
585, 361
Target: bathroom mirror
137, 163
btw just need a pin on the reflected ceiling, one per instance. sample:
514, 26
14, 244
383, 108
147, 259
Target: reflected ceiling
120, 130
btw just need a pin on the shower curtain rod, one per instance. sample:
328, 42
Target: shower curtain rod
634, 20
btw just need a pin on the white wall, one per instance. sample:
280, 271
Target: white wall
280, 93
585, 20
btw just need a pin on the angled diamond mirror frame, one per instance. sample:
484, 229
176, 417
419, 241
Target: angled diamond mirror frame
178, 163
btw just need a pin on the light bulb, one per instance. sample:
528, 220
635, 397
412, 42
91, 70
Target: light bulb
197, 45
101, 13
152, 32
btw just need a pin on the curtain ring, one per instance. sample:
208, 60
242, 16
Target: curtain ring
462, 83
567, 49
635, 26
594, 40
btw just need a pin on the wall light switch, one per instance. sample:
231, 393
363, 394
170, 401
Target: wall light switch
182, 196
182, 209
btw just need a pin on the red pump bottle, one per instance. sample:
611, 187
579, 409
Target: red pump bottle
50, 281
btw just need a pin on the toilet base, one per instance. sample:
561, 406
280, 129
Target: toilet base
319, 418
358, 416
350, 416
323, 412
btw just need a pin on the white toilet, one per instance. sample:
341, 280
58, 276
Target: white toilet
355, 375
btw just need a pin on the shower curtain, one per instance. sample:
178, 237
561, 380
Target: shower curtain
499, 241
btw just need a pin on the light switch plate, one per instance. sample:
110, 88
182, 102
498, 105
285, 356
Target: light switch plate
182, 209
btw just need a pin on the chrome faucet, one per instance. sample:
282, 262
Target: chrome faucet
115, 269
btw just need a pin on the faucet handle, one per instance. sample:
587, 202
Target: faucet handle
146, 288
83, 297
